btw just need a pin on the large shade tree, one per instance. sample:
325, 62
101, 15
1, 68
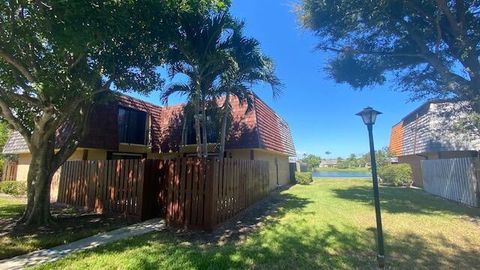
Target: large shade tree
58, 57
431, 47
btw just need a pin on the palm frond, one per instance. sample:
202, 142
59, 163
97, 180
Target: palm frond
175, 88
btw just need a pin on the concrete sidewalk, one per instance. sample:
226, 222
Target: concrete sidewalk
53, 254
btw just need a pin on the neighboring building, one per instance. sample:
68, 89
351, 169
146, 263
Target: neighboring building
432, 132
301, 166
328, 163
130, 128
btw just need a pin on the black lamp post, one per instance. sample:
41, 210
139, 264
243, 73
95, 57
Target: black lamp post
369, 115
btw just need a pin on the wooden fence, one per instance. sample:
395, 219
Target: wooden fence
114, 186
454, 179
188, 192
9, 171
203, 194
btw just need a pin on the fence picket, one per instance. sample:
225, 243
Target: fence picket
453, 179
189, 192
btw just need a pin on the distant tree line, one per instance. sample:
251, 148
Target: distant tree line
353, 161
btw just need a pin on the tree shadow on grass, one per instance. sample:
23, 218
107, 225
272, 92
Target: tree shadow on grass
412, 251
275, 243
406, 200
262, 240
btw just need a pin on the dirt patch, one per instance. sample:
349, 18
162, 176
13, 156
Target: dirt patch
236, 229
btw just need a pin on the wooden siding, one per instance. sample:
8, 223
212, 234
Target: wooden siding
396, 140
454, 179
102, 121
416, 134
9, 171
432, 128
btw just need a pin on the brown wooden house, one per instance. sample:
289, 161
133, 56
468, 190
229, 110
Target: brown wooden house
130, 128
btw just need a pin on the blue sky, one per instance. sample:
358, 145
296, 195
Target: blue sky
320, 113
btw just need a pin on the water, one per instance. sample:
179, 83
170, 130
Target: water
340, 174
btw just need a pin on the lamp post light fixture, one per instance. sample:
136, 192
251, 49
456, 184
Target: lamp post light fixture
369, 116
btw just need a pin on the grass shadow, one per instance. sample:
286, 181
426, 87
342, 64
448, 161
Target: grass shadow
287, 245
278, 235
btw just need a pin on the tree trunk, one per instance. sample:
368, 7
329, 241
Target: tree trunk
204, 130
38, 181
198, 137
223, 134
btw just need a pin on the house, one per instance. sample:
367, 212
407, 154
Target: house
432, 132
328, 163
130, 128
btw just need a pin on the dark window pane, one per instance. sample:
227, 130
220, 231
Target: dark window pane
122, 124
132, 124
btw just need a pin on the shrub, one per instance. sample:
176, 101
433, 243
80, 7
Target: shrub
303, 178
396, 174
13, 187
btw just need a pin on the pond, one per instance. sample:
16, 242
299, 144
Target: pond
341, 174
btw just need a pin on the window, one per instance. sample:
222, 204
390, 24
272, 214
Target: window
213, 131
132, 126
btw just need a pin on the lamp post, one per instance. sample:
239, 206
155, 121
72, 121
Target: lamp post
369, 115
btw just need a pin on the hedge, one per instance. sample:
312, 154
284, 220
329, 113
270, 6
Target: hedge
13, 187
303, 178
396, 174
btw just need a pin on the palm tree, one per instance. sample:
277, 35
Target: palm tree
200, 52
247, 67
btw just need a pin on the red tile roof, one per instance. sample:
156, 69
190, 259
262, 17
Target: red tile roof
259, 128
273, 131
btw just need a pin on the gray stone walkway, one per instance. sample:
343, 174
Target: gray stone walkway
53, 254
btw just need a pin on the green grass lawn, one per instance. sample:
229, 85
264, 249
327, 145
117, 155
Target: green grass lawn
11, 207
342, 170
16, 240
328, 224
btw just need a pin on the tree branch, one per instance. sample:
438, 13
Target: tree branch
104, 87
72, 65
79, 128
22, 97
443, 7
356, 51
7, 113
12, 61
